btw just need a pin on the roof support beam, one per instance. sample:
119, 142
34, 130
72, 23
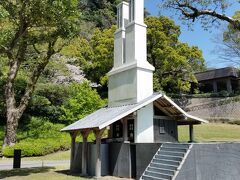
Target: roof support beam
191, 133
73, 135
84, 134
161, 108
98, 133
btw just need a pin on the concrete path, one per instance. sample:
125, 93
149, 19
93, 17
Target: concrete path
6, 165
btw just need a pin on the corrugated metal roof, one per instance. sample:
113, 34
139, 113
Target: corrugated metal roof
217, 73
108, 115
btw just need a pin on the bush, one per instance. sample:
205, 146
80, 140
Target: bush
223, 94
39, 137
38, 147
83, 101
237, 122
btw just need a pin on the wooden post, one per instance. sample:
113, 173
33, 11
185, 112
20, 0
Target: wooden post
73, 135
98, 134
191, 133
229, 86
215, 88
125, 130
84, 152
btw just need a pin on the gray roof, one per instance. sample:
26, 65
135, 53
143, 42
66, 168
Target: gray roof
108, 115
217, 73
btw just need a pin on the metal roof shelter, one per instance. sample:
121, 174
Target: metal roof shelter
101, 119
108, 115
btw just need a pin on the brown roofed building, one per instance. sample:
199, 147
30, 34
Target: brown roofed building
216, 80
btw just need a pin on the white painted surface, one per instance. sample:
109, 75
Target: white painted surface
136, 42
129, 85
144, 125
119, 36
122, 88
144, 84
131, 79
119, 41
137, 13
123, 14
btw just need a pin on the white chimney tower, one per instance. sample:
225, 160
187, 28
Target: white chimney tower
131, 79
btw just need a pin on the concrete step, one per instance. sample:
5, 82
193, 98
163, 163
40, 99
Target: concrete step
163, 166
146, 177
174, 149
184, 146
165, 162
158, 175
169, 162
165, 171
168, 157
179, 154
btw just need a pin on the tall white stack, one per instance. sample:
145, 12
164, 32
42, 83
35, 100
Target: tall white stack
131, 79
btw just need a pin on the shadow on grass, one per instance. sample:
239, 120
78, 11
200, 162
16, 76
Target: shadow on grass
24, 171
68, 173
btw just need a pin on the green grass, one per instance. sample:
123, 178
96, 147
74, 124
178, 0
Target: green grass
211, 132
61, 155
57, 173
45, 173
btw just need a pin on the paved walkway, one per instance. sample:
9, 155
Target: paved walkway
6, 165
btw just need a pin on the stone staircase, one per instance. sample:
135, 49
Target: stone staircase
167, 162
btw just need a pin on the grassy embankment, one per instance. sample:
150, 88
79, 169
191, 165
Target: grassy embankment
211, 132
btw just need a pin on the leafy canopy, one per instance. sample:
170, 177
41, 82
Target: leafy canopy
175, 62
83, 101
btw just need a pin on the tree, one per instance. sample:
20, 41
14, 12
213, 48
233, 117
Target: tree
95, 56
83, 101
229, 46
101, 12
208, 12
31, 32
175, 62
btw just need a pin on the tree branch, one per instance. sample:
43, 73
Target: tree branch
34, 78
195, 13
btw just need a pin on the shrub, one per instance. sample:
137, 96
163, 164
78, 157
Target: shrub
237, 122
223, 94
39, 137
38, 147
83, 101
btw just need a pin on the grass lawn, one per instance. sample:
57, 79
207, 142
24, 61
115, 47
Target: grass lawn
211, 132
45, 173
37, 174
61, 155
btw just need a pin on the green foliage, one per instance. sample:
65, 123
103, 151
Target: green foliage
231, 43
38, 147
95, 57
39, 137
175, 62
101, 13
237, 122
83, 101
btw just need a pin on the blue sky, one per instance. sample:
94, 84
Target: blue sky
199, 37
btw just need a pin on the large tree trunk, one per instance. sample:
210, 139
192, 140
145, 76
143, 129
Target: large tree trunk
11, 128
14, 112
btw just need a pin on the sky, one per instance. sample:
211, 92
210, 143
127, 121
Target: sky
198, 36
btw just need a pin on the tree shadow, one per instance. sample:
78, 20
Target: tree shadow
68, 173
24, 171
